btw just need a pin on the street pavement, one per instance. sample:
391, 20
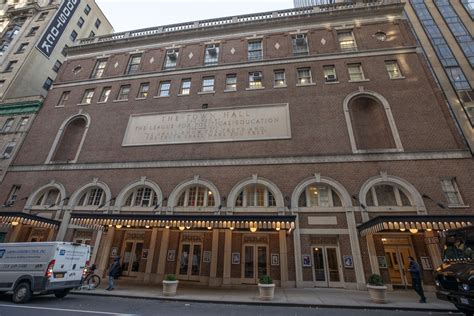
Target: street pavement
81, 305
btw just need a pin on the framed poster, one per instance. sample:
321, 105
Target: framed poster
348, 262
275, 259
206, 256
236, 258
114, 251
171, 255
145, 254
306, 260
426, 263
382, 260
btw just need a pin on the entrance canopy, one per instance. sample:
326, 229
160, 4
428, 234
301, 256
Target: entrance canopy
414, 223
182, 222
16, 218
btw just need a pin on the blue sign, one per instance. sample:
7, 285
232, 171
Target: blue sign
57, 26
62, 252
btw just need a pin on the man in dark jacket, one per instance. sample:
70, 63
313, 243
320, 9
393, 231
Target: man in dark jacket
114, 272
414, 269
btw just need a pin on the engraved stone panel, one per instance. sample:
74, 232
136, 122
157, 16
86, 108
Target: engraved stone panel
219, 125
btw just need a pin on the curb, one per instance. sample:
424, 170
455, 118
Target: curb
329, 306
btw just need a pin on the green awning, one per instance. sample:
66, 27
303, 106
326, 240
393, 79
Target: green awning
20, 108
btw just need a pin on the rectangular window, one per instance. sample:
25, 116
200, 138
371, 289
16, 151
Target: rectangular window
21, 49
10, 66
8, 150
57, 65
280, 80
393, 69
185, 87
8, 125
330, 73
134, 64
13, 196
104, 95
304, 76
80, 22
231, 82
97, 23
87, 9
2, 82
346, 41
211, 55
23, 123
143, 91
123, 93
355, 72
255, 50
87, 97
32, 31
47, 84
300, 44
171, 58
164, 89
208, 84
451, 192
73, 35
42, 16
91, 34
64, 98
63, 51
99, 68
255, 80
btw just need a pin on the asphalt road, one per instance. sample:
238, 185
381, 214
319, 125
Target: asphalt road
80, 305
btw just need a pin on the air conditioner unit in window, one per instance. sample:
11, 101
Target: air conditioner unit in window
212, 49
6, 156
300, 39
171, 54
331, 78
256, 76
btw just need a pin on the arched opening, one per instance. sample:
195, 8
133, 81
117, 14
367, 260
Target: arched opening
48, 198
196, 196
255, 195
93, 196
370, 124
387, 195
319, 195
141, 196
69, 144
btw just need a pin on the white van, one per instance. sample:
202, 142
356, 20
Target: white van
41, 268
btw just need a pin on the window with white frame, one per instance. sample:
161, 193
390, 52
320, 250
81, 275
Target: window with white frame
141, 197
94, 196
196, 196
255, 195
7, 126
164, 89
330, 73
123, 93
255, 51
231, 82
208, 84
347, 41
304, 76
171, 58
185, 87
63, 99
451, 192
143, 90
280, 80
23, 124
104, 95
393, 69
255, 80
134, 64
13, 196
356, 72
87, 97
48, 198
211, 55
99, 68
300, 44
387, 195
319, 195
8, 150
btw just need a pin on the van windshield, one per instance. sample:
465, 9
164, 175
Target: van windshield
459, 245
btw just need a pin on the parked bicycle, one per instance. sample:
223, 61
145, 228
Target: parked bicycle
91, 279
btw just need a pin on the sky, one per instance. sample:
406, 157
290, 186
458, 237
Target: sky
128, 15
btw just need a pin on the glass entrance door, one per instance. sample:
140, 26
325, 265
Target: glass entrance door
189, 267
255, 259
327, 266
397, 259
131, 257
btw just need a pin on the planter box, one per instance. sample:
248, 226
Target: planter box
170, 287
377, 293
267, 291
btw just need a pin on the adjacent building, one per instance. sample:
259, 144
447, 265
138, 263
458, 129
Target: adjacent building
34, 35
312, 145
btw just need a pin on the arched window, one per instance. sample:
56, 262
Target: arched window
70, 140
50, 197
387, 195
255, 195
142, 196
196, 195
319, 195
93, 196
370, 124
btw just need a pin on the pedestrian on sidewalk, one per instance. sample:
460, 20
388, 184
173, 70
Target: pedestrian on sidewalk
114, 272
414, 269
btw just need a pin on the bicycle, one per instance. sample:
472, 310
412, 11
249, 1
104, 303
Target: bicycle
91, 279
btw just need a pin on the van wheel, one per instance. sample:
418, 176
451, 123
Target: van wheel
22, 293
61, 293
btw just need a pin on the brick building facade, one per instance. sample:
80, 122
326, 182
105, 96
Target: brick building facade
311, 145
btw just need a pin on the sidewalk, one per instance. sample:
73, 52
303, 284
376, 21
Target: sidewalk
311, 297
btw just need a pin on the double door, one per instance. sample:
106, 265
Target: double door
255, 259
327, 266
190, 257
397, 259
132, 255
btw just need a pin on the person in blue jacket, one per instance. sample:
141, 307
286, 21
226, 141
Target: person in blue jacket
114, 272
414, 269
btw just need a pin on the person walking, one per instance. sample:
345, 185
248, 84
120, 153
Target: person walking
114, 272
414, 269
